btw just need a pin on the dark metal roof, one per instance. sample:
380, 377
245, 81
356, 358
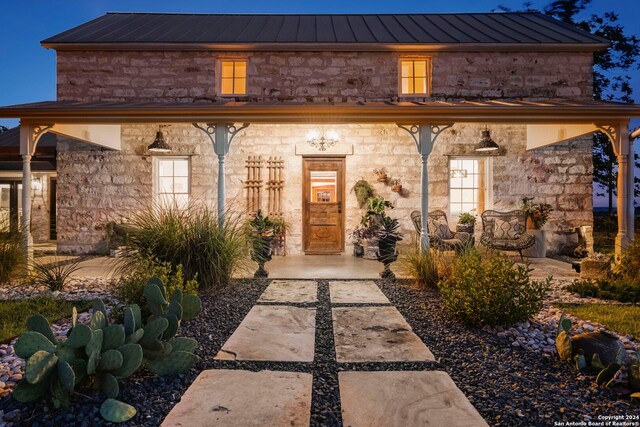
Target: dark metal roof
11, 138
413, 29
516, 111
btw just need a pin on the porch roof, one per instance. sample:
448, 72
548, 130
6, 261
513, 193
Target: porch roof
494, 111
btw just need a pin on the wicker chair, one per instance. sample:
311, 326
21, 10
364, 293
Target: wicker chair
506, 231
440, 235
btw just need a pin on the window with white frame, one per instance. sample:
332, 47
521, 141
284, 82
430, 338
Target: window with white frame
171, 181
469, 185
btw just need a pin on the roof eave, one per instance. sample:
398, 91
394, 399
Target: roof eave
310, 47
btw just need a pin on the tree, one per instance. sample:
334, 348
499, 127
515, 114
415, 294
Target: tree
610, 78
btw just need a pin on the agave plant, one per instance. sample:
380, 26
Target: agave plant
54, 275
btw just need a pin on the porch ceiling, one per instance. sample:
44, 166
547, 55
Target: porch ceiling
493, 111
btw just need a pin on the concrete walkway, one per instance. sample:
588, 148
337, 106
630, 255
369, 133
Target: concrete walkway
366, 328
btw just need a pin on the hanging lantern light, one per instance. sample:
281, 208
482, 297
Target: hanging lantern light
159, 145
486, 144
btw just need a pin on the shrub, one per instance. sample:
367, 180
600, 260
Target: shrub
190, 236
54, 274
11, 256
616, 289
129, 288
489, 289
629, 266
421, 266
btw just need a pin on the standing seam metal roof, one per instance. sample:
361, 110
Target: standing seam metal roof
454, 28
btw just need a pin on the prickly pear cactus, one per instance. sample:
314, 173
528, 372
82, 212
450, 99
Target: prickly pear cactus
563, 339
117, 412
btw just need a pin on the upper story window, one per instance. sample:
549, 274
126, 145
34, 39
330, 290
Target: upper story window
233, 77
414, 76
171, 181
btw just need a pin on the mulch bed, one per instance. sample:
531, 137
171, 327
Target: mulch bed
508, 386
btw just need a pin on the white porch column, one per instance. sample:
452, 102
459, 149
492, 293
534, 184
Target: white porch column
631, 211
29, 137
221, 135
425, 135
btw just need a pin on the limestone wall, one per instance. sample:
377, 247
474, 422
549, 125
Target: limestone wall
320, 76
95, 185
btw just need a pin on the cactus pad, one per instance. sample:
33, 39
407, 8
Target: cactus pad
110, 360
79, 336
175, 363
563, 344
191, 307
184, 344
38, 323
131, 360
66, 375
114, 337
25, 392
153, 330
31, 342
172, 329
154, 295
109, 384
116, 412
95, 343
39, 366
135, 336
606, 375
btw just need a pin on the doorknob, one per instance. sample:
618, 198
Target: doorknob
340, 207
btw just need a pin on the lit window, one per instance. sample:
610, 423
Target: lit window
233, 77
469, 185
172, 181
414, 76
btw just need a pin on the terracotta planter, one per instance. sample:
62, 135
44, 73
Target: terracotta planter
539, 248
383, 177
594, 269
397, 188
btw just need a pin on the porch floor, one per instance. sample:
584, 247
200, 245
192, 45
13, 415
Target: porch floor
330, 267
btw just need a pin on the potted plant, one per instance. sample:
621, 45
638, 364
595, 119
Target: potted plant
261, 233
396, 186
388, 237
466, 223
537, 217
364, 192
370, 223
382, 174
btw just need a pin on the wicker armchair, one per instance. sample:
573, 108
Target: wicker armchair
506, 231
440, 235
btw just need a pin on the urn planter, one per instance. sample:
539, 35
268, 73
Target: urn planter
370, 249
539, 248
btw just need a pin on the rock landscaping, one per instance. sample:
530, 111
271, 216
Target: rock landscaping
507, 384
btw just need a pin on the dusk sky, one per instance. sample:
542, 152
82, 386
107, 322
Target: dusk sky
27, 70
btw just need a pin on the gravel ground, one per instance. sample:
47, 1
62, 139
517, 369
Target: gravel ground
509, 386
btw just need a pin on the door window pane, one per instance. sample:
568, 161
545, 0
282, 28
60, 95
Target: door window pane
467, 191
324, 186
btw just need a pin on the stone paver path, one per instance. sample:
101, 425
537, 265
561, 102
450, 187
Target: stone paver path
375, 334
241, 398
274, 330
356, 292
406, 398
291, 291
273, 333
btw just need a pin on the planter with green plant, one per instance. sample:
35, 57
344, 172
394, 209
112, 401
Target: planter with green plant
262, 231
466, 223
370, 224
388, 237
537, 217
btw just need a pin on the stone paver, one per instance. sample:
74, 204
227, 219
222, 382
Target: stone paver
241, 398
293, 291
375, 334
356, 292
404, 398
273, 333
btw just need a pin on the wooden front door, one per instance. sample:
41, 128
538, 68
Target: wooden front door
323, 203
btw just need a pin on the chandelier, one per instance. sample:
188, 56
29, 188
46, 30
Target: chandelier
320, 141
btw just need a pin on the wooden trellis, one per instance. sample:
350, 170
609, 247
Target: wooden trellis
253, 184
275, 186
275, 166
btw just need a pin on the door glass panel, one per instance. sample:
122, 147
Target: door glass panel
324, 186
5, 212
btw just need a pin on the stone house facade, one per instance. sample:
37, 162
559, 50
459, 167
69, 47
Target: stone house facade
97, 185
